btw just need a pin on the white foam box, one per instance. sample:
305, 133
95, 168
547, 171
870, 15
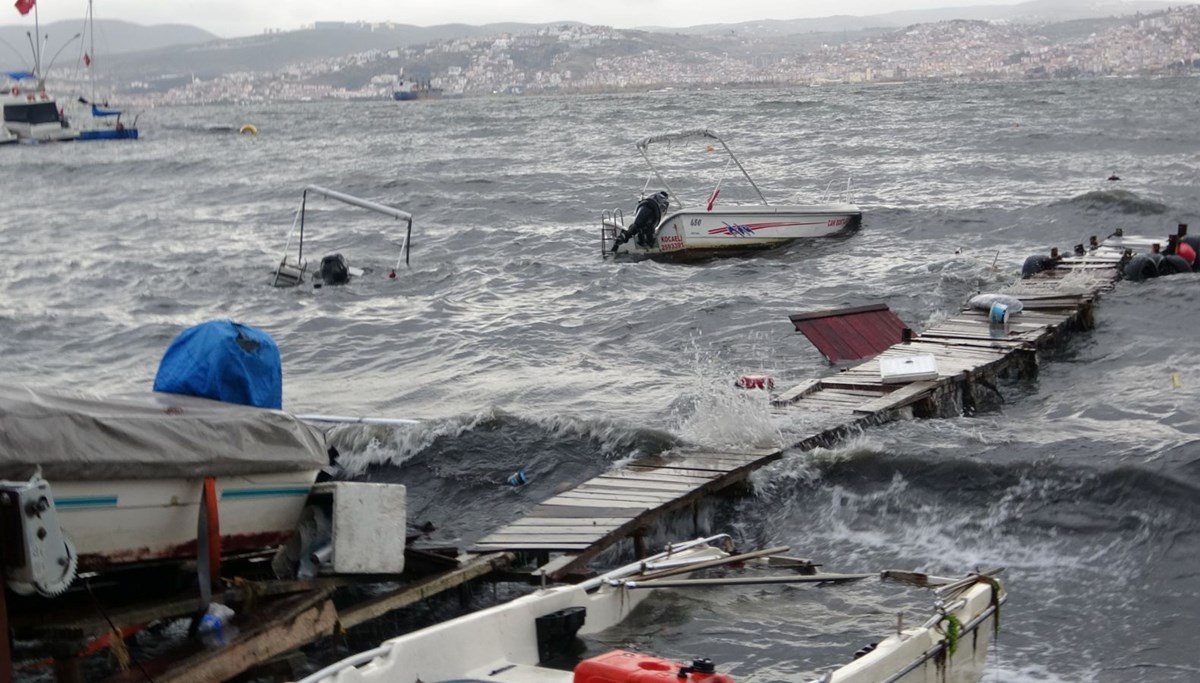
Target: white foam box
901, 369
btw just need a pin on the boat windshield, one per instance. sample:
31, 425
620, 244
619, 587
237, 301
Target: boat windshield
39, 112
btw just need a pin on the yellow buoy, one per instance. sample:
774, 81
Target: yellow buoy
248, 129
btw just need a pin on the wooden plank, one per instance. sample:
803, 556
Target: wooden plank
504, 546
423, 588
552, 567
560, 501
714, 465
797, 392
626, 495
907, 394
514, 540
641, 473
311, 617
580, 512
637, 485
570, 521
530, 530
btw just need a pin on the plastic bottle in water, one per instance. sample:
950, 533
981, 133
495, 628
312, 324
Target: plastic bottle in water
216, 628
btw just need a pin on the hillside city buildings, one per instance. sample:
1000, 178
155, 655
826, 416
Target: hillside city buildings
578, 58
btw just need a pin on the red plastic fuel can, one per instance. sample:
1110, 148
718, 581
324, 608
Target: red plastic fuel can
621, 666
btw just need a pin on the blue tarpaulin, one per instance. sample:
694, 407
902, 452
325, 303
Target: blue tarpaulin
19, 75
225, 361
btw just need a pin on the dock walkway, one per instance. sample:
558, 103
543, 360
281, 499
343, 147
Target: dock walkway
971, 353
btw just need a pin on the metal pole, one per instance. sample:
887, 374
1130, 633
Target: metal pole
6, 661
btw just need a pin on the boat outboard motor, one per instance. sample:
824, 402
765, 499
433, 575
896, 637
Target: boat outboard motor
649, 213
334, 270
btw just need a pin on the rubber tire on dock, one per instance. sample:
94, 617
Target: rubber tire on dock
1036, 264
1173, 265
1141, 267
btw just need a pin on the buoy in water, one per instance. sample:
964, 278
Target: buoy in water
1186, 252
755, 382
248, 129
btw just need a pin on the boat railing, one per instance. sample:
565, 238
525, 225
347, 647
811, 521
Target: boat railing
612, 222
290, 271
832, 194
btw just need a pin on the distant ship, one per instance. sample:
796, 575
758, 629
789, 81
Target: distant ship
414, 90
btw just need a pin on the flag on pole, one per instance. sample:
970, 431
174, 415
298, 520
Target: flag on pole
87, 61
24, 6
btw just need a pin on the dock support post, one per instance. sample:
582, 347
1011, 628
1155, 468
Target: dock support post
6, 661
68, 666
639, 545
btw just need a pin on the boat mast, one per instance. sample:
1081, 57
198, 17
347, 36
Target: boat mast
91, 53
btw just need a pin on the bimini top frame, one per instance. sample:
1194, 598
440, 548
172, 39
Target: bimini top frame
286, 274
643, 146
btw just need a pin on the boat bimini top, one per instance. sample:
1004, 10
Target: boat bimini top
643, 146
333, 269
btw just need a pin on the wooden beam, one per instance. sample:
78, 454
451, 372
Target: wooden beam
424, 588
299, 620
900, 397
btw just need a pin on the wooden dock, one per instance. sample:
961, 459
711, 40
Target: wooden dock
568, 530
971, 353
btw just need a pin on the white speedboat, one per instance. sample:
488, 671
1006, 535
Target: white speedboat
33, 115
127, 474
529, 639
669, 227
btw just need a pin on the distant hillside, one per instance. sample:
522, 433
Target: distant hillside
112, 37
1032, 12
272, 51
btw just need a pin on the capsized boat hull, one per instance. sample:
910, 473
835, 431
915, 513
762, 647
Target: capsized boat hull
696, 233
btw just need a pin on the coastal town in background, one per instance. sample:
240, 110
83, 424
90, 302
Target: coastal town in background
321, 62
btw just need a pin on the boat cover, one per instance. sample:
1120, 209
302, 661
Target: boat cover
147, 436
225, 361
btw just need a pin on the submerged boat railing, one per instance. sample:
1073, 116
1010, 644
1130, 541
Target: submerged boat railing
288, 274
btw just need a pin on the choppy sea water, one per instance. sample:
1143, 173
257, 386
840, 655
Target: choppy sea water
522, 349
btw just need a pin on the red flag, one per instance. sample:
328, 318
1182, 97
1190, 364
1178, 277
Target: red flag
87, 61
23, 6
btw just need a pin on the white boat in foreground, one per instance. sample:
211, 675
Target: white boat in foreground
514, 642
666, 227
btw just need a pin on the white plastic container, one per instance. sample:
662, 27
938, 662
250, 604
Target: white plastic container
901, 369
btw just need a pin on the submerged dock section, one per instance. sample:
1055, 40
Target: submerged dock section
968, 352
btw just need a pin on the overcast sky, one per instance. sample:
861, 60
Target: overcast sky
230, 18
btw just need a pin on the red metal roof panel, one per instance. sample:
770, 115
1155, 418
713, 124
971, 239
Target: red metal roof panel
849, 334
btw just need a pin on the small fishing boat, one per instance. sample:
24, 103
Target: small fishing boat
32, 114
666, 226
333, 269
531, 639
407, 91
104, 122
